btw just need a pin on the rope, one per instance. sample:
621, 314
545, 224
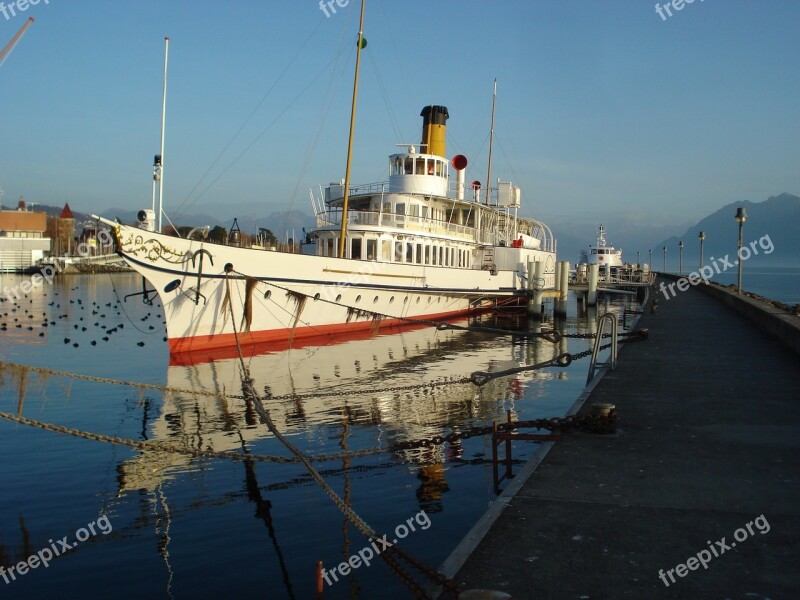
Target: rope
249, 392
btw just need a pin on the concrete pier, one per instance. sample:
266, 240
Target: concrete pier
708, 444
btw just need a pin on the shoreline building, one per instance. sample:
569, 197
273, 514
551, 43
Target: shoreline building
23, 239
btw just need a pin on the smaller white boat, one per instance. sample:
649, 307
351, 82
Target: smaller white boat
604, 255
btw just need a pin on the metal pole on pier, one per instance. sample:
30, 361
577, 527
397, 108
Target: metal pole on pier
741, 217
701, 236
680, 259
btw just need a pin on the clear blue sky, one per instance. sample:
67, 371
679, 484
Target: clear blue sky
604, 108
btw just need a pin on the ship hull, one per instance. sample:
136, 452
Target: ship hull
215, 295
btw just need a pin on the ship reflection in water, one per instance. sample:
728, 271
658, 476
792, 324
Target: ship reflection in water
342, 395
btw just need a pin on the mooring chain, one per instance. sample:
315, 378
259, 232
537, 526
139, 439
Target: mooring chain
149, 446
347, 511
264, 416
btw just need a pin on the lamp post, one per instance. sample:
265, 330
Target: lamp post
650, 262
665, 259
701, 236
637, 259
741, 217
680, 257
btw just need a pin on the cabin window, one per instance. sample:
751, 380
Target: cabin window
409, 252
386, 250
420, 166
419, 254
355, 248
424, 212
400, 208
453, 256
409, 167
330, 246
427, 254
398, 252
434, 255
397, 166
430, 166
441, 256
372, 249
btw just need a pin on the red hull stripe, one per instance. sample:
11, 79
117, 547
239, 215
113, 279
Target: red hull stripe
204, 348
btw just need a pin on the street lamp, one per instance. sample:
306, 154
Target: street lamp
637, 259
680, 257
741, 217
665, 259
650, 262
701, 236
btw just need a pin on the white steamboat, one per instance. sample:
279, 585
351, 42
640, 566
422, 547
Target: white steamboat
417, 247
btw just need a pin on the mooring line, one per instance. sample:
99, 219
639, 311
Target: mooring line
388, 556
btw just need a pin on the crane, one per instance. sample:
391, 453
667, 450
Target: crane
10, 46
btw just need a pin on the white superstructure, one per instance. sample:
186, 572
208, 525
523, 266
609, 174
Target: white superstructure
418, 246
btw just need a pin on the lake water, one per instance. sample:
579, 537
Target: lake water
776, 283
182, 527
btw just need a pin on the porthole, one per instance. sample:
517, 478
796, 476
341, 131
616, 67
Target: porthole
338, 297
375, 300
267, 294
316, 296
391, 299
439, 300
405, 300
358, 298
417, 299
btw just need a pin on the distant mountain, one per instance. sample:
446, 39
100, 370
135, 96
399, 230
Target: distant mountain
280, 223
773, 222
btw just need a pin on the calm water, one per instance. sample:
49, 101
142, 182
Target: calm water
777, 283
207, 528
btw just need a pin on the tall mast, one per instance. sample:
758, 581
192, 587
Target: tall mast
10, 45
163, 122
491, 144
346, 198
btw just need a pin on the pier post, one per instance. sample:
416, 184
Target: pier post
531, 276
562, 286
557, 277
535, 306
591, 296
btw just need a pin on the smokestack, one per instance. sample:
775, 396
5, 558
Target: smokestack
459, 163
434, 128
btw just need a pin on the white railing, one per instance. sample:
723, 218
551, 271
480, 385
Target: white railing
383, 219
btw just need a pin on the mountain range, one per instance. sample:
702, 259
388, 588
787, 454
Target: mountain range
774, 221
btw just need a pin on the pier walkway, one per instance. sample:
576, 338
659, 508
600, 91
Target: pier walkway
708, 441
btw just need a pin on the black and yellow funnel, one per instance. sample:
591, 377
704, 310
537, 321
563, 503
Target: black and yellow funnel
434, 129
